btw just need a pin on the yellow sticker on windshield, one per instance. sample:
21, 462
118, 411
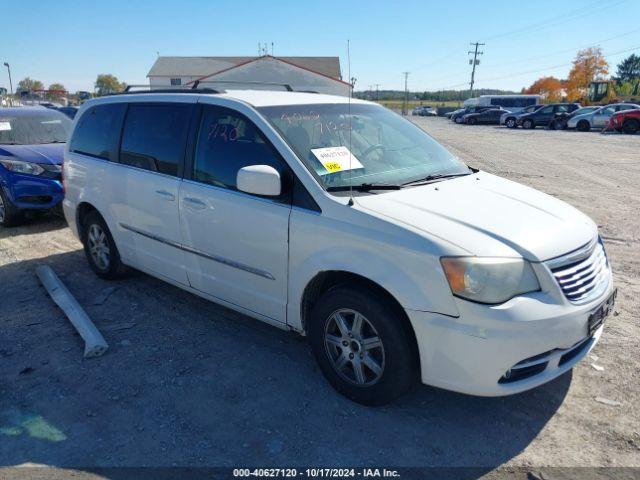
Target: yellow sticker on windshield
332, 166
336, 159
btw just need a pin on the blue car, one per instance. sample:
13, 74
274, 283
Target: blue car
32, 142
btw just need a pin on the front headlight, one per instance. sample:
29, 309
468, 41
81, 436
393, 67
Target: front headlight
18, 166
489, 280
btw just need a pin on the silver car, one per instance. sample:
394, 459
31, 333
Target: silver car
598, 118
509, 118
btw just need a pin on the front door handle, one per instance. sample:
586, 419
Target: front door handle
170, 197
194, 203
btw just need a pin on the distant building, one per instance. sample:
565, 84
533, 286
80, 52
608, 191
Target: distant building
317, 74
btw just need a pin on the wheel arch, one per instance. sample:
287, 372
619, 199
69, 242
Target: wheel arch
83, 209
326, 280
583, 123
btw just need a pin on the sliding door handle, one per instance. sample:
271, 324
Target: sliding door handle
194, 203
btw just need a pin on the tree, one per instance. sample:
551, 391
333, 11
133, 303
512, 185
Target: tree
628, 69
627, 89
588, 66
27, 85
549, 87
56, 86
107, 84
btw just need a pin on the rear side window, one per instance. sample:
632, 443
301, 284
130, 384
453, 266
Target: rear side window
98, 130
154, 137
227, 142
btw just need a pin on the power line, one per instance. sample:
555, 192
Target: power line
525, 60
552, 21
517, 74
570, 16
592, 44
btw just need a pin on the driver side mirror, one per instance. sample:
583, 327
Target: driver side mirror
261, 180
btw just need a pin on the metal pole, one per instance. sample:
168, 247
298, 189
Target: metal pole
405, 104
10, 82
475, 62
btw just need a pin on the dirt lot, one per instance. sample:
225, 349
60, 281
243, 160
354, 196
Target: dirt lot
189, 383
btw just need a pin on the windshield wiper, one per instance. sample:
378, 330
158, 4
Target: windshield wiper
432, 178
364, 187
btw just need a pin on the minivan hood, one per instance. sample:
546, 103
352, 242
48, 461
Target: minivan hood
48, 153
486, 215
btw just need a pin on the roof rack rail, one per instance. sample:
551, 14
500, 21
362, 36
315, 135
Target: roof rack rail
240, 82
128, 90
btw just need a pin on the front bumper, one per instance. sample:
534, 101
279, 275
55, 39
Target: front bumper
32, 192
472, 353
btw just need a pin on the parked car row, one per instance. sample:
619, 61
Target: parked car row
555, 116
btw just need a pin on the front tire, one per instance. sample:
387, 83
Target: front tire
100, 248
583, 126
528, 124
10, 216
511, 122
471, 121
362, 346
631, 126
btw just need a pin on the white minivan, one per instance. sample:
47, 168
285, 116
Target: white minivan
346, 223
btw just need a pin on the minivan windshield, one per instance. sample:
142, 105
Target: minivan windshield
33, 127
385, 148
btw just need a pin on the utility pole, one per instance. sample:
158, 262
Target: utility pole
377, 92
474, 62
10, 82
405, 104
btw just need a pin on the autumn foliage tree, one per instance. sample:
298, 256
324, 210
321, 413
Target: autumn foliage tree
588, 66
549, 87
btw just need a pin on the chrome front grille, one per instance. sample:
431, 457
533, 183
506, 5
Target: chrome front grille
584, 274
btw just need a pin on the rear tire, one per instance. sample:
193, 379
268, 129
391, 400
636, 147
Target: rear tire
372, 364
10, 215
528, 124
100, 248
631, 126
511, 122
583, 126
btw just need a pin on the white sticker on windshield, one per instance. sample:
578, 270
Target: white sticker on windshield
4, 126
336, 159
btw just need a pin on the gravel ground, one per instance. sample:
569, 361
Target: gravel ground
190, 383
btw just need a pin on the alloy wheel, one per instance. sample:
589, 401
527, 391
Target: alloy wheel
99, 247
354, 347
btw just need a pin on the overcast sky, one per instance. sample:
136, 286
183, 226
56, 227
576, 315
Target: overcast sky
72, 41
